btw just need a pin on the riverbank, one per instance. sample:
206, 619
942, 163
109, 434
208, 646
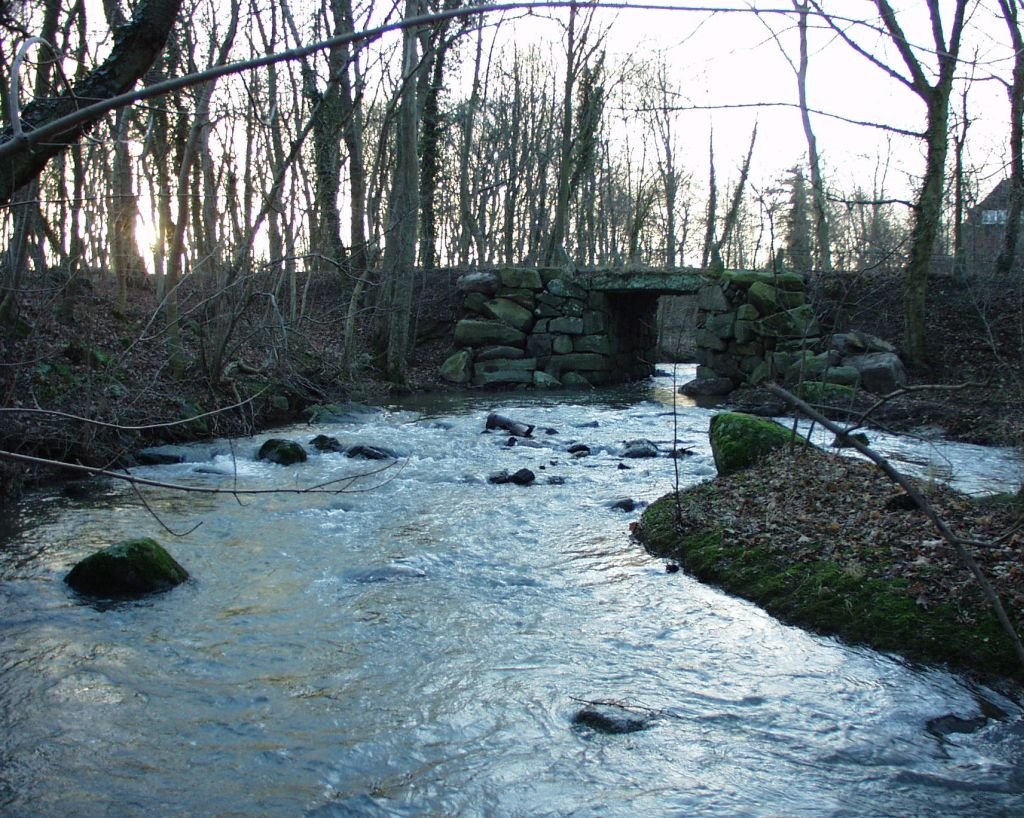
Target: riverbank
829, 544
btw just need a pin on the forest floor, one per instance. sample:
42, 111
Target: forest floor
108, 366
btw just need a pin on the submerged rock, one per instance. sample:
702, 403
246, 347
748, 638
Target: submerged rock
639, 448
611, 719
523, 477
128, 568
281, 451
371, 452
626, 504
325, 443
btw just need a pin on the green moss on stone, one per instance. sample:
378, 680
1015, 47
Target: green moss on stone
738, 440
833, 394
825, 597
127, 568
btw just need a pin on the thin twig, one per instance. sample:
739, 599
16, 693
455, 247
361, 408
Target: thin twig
319, 488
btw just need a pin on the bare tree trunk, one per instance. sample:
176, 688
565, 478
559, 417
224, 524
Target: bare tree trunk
1015, 91
822, 236
129, 268
177, 246
708, 259
959, 195
466, 216
563, 190
403, 209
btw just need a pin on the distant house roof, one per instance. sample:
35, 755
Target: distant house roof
999, 197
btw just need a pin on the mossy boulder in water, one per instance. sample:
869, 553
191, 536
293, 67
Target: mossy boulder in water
128, 568
281, 451
738, 440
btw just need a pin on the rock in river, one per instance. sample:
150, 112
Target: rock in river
612, 719
281, 451
128, 568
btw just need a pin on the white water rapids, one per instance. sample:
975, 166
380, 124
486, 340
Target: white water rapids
419, 648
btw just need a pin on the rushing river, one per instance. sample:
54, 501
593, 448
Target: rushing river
419, 644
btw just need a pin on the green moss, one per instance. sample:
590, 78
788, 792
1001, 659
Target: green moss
827, 598
127, 568
824, 393
738, 440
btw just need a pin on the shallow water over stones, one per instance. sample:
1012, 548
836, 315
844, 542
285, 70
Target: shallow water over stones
422, 643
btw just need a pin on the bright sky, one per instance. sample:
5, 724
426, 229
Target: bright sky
733, 59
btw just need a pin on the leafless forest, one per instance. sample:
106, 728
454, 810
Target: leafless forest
260, 156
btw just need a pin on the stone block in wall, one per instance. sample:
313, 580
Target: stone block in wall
504, 370
474, 302
726, 365
495, 352
575, 361
743, 331
539, 344
511, 313
541, 326
574, 380
504, 376
710, 297
479, 281
566, 289
701, 357
470, 332
458, 368
598, 301
744, 278
549, 300
747, 312
592, 343
721, 324
796, 344
594, 322
796, 323
525, 298
749, 363
781, 361
762, 372
548, 274
521, 277
708, 340
572, 307
562, 345
753, 348
768, 299
843, 375
567, 325
546, 311
542, 380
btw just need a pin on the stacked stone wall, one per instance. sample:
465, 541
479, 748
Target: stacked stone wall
543, 327
752, 326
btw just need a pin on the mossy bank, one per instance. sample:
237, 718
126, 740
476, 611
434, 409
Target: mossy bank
831, 552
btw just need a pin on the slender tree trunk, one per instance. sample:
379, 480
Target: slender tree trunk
708, 259
563, 191
822, 235
129, 268
403, 209
959, 194
1008, 253
177, 246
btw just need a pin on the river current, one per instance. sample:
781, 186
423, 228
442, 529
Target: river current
418, 644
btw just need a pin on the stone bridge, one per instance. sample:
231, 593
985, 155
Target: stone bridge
548, 327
